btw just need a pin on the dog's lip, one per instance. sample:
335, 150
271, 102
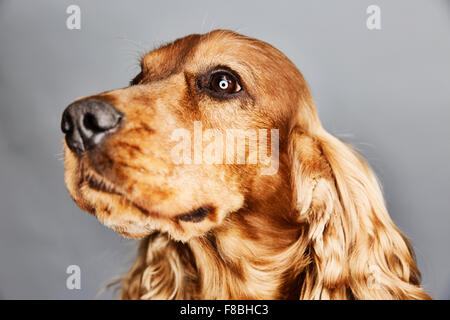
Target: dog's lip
195, 216
101, 185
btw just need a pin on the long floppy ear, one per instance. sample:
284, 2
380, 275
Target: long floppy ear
163, 270
356, 250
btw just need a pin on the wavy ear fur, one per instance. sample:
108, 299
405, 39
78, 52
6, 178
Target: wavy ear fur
356, 250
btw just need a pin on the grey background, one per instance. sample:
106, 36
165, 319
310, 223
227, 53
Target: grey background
387, 92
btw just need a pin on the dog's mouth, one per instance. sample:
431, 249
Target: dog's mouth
197, 215
101, 185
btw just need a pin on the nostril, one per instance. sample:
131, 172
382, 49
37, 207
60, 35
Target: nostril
66, 124
101, 120
90, 122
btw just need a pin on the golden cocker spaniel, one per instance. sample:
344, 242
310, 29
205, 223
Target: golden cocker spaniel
284, 211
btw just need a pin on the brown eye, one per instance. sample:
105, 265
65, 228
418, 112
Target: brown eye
224, 83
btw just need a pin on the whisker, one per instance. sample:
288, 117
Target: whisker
59, 156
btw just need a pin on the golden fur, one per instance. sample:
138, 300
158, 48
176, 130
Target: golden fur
317, 229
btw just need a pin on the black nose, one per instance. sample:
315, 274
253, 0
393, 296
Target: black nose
86, 122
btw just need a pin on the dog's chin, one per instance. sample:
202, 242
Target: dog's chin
126, 231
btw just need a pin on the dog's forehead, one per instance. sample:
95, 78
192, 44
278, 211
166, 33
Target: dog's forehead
169, 58
224, 48
197, 52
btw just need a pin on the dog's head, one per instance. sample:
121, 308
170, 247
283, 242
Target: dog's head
220, 130
199, 133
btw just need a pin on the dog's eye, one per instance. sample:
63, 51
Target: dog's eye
223, 82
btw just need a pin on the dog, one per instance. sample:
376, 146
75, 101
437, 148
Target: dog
315, 227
